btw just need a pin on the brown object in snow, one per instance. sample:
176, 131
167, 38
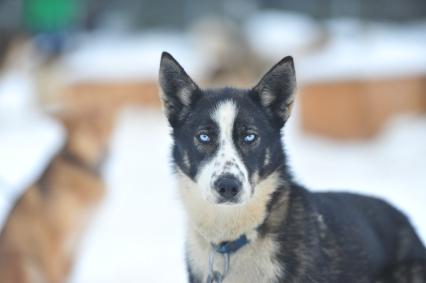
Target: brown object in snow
359, 109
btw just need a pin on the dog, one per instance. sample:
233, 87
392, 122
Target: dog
248, 220
40, 238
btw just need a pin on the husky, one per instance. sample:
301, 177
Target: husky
248, 220
40, 239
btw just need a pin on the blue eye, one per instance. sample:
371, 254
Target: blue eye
204, 138
249, 138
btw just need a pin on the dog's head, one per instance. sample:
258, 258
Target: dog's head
226, 141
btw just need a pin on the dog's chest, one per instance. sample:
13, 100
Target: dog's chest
255, 262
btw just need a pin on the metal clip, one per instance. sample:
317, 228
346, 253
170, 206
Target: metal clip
214, 275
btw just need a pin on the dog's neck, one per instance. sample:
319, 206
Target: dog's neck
220, 223
74, 158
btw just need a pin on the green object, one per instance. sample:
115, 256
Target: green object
50, 15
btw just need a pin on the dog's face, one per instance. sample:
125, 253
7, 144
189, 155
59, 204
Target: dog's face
227, 140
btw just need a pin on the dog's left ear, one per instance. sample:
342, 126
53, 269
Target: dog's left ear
275, 91
178, 89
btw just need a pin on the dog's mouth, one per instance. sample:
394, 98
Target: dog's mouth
233, 201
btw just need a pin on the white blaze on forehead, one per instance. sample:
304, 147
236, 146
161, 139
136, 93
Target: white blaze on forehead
224, 116
227, 159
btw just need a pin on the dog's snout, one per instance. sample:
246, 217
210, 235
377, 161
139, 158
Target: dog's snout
228, 187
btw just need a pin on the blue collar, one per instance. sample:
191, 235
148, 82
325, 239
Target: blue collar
231, 247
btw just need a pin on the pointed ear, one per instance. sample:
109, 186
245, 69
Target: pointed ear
275, 91
178, 89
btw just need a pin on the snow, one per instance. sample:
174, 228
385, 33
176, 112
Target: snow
273, 34
118, 57
138, 234
28, 138
357, 50
338, 49
139, 231
341, 48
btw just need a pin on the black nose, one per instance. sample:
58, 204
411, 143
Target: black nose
228, 187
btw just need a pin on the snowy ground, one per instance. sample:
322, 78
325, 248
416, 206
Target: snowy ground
139, 231
138, 234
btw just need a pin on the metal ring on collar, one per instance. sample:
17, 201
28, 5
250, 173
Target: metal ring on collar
214, 275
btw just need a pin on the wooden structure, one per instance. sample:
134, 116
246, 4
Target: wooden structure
359, 109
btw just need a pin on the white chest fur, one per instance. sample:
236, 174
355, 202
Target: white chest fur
255, 262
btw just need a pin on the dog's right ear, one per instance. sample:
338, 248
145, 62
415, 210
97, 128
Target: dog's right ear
178, 89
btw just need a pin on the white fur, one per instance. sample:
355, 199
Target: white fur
185, 96
267, 98
219, 222
186, 161
226, 160
213, 223
267, 157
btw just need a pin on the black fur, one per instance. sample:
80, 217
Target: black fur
342, 237
323, 237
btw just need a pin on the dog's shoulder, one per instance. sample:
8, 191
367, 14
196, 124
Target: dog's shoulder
369, 222
355, 207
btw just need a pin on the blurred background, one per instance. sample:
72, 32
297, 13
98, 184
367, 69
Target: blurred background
359, 123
